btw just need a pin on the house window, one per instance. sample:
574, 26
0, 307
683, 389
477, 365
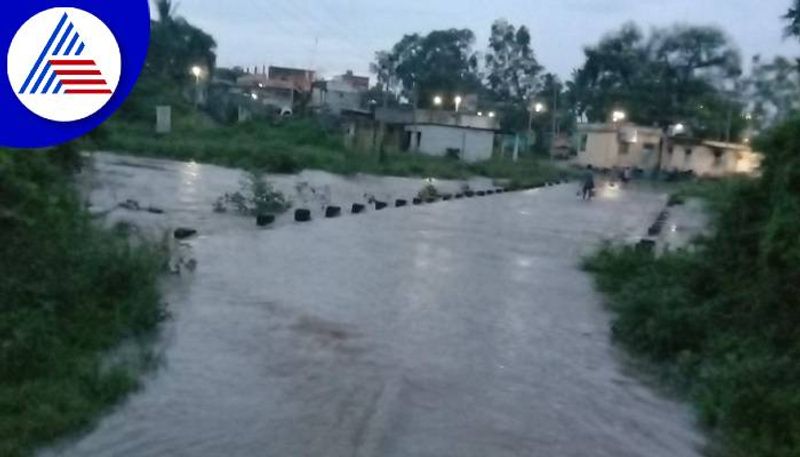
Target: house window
624, 148
688, 157
649, 149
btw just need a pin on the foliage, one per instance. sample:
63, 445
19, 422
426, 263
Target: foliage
293, 146
511, 66
69, 291
793, 20
428, 192
441, 62
722, 319
674, 75
773, 89
176, 46
257, 197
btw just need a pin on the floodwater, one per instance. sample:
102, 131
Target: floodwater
456, 329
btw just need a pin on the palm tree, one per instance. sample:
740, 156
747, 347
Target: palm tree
176, 45
165, 10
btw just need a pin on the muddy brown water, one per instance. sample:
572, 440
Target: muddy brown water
457, 329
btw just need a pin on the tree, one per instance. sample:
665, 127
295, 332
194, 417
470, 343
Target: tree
176, 46
613, 74
511, 66
441, 62
793, 19
773, 90
684, 74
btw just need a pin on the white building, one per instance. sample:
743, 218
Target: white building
342, 93
468, 137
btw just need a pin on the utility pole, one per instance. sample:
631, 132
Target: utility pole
555, 120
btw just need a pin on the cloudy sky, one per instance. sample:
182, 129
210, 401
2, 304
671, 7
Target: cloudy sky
332, 36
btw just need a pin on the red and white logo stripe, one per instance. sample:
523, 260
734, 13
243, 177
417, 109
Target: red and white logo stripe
80, 76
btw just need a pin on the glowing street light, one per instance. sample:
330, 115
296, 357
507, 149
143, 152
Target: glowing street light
538, 108
492, 114
458, 101
618, 116
437, 100
480, 113
254, 96
197, 72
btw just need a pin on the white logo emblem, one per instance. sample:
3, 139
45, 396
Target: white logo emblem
64, 64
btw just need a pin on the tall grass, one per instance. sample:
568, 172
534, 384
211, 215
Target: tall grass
69, 291
295, 145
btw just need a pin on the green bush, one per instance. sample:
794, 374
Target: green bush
723, 320
69, 291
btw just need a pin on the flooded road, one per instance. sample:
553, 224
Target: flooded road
456, 329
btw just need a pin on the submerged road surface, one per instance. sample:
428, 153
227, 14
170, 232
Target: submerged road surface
456, 329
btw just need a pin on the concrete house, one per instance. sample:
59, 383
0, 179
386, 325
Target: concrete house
278, 94
342, 93
608, 146
616, 146
710, 158
300, 79
468, 137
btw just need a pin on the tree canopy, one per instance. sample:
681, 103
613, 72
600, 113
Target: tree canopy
679, 74
176, 45
773, 89
512, 71
441, 62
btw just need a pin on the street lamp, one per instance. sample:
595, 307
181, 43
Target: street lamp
538, 108
437, 100
618, 116
492, 114
197, 72
458, 101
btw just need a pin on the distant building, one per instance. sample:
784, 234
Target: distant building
301, 79
278, 94
360, 83
710, 158
439, 133
615, 146
342, 93
608, 146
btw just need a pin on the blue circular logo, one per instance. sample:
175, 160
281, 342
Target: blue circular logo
67, 67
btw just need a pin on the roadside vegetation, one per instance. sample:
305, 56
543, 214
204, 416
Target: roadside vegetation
292, 146
69, 292
720, 321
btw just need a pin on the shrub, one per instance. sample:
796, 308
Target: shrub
722, 319
69, 291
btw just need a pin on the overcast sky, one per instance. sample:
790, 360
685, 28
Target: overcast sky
332, 36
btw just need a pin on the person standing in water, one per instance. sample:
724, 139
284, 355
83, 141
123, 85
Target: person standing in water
587, 191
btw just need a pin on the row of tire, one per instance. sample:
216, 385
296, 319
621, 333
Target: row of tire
304, 215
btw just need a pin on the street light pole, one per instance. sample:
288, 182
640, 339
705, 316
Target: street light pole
555, 109
197, 72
